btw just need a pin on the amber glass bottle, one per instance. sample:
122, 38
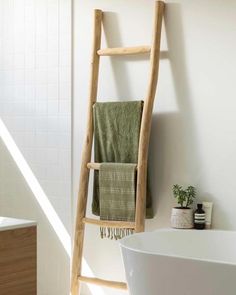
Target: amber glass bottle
199, 217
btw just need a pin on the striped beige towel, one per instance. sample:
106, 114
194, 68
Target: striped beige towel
117, 196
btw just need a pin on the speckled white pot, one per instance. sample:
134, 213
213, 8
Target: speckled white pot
182, 218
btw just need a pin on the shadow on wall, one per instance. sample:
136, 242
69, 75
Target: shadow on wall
119, 63
113, 39
173, 143
174, 148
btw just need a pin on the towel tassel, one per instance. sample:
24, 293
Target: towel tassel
115, 233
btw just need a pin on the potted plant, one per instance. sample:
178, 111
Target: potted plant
182, 216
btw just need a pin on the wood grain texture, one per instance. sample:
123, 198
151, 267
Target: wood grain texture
104, 283
147, 119
18, 261
86, 157
95, 166
124, 51
107, 223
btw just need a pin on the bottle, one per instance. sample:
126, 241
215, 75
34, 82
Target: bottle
199, 217
207, 207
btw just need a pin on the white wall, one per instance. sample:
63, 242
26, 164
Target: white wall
193, 139
35, 101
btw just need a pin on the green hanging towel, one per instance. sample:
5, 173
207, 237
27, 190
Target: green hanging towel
117, 185
116, 139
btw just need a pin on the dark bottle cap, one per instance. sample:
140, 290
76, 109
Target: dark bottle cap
199, 206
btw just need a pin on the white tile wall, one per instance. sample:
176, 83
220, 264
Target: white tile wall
35, 79
35, 100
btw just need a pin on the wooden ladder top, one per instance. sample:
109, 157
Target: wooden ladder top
81, 219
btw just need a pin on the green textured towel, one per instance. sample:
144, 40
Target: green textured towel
117, 196
116, 138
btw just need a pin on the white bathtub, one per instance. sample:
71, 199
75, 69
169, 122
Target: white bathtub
180, 262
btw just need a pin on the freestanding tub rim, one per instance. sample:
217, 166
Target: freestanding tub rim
124, 243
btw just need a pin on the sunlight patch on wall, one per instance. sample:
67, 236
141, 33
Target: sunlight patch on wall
42, 200
36, 189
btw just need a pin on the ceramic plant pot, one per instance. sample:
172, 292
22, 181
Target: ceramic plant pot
182, 218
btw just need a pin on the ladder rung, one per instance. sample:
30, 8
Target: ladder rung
124, 50
95, 166
108, 223
106, 283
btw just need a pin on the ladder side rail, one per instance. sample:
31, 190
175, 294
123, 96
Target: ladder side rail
86, 157
146, 119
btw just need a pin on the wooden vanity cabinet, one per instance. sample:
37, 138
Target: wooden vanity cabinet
18, 261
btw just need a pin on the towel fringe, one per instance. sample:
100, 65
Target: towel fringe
115, 233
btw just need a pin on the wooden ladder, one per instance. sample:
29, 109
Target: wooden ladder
81, 219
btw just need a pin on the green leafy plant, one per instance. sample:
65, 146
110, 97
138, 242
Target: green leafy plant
184, 197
